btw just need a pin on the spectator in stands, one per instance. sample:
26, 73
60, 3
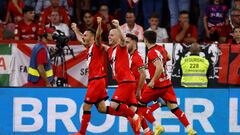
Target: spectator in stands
183, 32
175, 7
214, 19
55, 6
125, 5
234, 17
14, 11
236, 4
81, 7
26, 29
90, 23
162, 35
194, 69
43, 4
55, 22
150, 6
104, 14
87, 21
236, 36
131, 27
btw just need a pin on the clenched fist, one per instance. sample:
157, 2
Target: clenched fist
115, 23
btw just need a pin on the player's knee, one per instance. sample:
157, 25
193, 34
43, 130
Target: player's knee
87, 107
101, 109
172, 105
133, 108
114, 105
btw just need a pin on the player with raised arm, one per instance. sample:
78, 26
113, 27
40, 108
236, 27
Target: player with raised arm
96, 91
120, 63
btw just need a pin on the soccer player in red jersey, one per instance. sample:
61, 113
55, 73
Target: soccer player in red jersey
160, 84
124, 93
96, 91
138, 70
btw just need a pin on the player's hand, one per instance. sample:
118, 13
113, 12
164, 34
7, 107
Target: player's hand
115, 23
151, 84
138, 94
74, 26
99, 20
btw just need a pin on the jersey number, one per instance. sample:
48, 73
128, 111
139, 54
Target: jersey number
194, 66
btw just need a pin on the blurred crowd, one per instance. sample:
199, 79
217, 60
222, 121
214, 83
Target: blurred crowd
184, 21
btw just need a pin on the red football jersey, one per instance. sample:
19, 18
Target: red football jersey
96, 62
26, 31
15, 9
120, 63
137, 63
155, 53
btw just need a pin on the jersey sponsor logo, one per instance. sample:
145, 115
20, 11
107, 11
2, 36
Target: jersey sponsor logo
33, 29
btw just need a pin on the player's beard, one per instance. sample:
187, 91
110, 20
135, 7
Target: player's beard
130, 49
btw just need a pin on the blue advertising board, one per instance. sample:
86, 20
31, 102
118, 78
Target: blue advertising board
58, 111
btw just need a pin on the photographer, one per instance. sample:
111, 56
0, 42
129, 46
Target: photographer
40, 73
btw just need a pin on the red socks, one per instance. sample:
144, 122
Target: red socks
85, 120
154, 107
144, 124
181, 116
123, 108
146, 113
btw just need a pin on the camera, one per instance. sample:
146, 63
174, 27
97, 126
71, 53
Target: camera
61, 39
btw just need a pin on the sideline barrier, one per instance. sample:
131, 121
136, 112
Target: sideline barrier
57, 111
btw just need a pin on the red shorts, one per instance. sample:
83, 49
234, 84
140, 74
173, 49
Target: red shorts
167, 94
125, 93
96, 91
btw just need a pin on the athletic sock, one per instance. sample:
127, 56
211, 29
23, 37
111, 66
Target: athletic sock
181, 116
146, 113
154, 107
85, 120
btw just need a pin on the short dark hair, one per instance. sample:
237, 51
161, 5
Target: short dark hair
87, 12
183, 12
132, 36
130, 11
27, 9
154, 15
92, 31
103, 4
150, 36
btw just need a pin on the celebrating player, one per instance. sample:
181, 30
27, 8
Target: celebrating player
96, 91
160, 84
138, 70
124, 94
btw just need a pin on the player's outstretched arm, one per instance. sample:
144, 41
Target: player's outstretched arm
117, 26
159, 69
77, 32
98, 38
